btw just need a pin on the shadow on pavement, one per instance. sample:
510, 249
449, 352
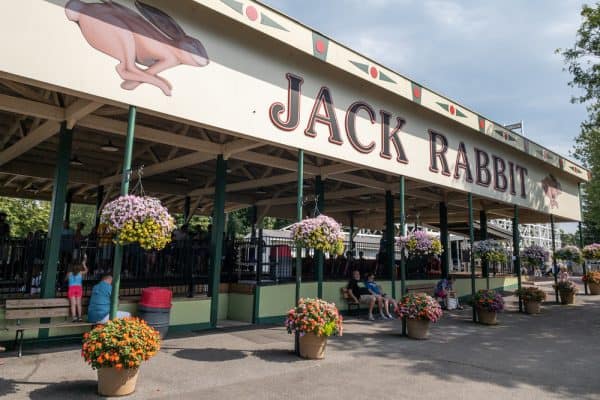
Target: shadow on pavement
7, 386
277, 355
62, 390
210, 355
556, 351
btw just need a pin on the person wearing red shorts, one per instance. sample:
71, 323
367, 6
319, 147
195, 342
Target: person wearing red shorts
75, 291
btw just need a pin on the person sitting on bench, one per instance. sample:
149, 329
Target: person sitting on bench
375, 290
99, 306
362, 295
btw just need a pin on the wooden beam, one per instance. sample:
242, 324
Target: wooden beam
165, 166
257, 183
35, 137
239, 146
46, 171
32, 108
78, 110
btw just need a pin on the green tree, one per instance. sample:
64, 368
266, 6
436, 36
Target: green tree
25, 215
583, 62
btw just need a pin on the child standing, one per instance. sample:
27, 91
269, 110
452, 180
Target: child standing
75, 291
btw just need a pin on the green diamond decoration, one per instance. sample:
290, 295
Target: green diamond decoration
266, 20
361, 66
235, 5
386, 78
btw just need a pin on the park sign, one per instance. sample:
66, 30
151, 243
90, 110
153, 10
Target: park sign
241, 68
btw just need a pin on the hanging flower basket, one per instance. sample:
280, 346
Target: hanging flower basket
490, 250
420, 310
315, 320
420, 243
534, 255
117, 350
569, 253
592, 251
138, 219
320, 233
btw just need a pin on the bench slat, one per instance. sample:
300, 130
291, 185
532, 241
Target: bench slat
37, 313
50, 325
37, 303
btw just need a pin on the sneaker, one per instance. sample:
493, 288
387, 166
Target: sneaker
79, 319
381, 316
390, 317
74, 320
371, 318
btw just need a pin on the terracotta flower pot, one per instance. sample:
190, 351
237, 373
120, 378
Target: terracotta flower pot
117, 382
312, 346
566, 297
594, 288
487, 317
417, 328
533, 307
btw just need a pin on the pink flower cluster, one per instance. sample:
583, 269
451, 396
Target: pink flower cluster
136, 209
320, 233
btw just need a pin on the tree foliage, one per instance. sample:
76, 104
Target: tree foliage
583, 62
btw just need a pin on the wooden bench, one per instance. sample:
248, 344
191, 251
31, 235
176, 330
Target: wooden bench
34, 309
350, 301
428, 288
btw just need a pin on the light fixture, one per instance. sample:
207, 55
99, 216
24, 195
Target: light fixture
228, 170
109, 147
261, 191
365, 197
33, 188
182, 179
75, 161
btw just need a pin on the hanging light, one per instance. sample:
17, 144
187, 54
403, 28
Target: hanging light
109, 146
75, 161
261, 191
33, 188
182, 179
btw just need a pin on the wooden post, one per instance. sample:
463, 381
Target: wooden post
319, 256
218, 227
516, 252
472, 256
444, 234
554, 265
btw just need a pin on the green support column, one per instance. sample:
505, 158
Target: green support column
126, 175
59, 195
402, 255
472, 256
390, 262
218, 227
319, 256
516, 252
402, 233
554, 265
444, 234
299, 201
99, 199
583, 265
485, 266
351, 238
186, 209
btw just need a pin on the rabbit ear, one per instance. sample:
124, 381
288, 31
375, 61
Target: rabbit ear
161, 20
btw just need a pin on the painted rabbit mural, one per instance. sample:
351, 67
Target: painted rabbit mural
151, 38
552, 189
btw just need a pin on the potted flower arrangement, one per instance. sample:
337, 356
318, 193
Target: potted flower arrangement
420, 243
532, 297
315, 320
569, 253
138, 219
567, 290
592, 251
488, 303
420, 310
319, 233
116, 350
490, 250
592, 278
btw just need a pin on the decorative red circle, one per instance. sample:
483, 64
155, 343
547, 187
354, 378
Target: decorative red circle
417, 92
373, 71
452, 110
251, 13
320, 46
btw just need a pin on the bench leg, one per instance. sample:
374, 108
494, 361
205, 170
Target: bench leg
19, 342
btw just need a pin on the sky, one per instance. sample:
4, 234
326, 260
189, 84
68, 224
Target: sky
496, 58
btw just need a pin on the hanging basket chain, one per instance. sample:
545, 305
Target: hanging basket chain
138, 189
